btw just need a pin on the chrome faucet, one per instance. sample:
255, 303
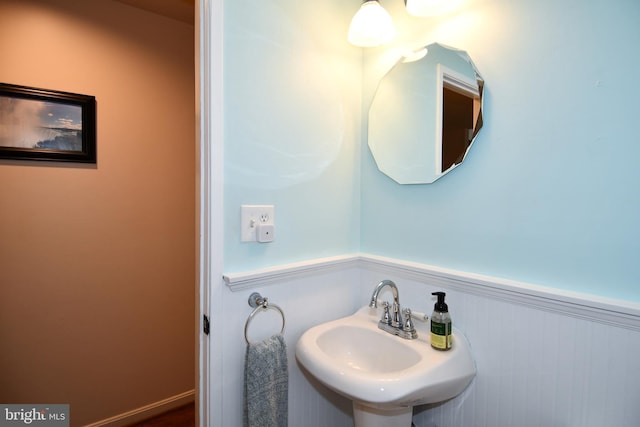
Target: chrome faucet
393, 323
396, 320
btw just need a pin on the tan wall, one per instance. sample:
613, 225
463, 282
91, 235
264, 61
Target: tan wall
97, 263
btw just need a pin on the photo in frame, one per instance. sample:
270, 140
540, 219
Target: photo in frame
41, 124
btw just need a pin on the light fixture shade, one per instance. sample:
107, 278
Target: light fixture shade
371, 25
430, 7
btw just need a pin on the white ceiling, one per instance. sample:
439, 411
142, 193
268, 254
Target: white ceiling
181, 10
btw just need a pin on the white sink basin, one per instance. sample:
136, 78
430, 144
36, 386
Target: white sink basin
379, 370
352, 346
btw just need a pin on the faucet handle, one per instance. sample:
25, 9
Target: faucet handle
386, 316
422, 317
408, 323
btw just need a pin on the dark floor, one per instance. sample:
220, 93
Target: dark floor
184, 416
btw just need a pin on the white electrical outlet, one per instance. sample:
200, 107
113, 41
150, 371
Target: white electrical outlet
253, 215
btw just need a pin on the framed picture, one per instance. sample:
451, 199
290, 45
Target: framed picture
40, 124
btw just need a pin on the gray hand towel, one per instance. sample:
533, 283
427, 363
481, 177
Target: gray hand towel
266, 383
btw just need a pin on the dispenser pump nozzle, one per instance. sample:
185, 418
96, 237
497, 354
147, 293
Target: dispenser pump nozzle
440, 305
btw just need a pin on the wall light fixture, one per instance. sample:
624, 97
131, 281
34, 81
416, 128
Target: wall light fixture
371, 25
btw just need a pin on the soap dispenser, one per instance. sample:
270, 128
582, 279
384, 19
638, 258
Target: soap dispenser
440, 324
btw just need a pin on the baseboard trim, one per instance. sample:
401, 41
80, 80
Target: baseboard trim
147, 411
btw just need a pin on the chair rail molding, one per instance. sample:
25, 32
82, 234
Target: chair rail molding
270, 275
610, 311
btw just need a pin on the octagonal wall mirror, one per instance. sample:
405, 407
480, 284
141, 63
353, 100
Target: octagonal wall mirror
425, 114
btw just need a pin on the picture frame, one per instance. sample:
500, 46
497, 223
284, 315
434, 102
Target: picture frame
49, 125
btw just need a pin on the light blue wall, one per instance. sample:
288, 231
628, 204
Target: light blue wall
292, 129
550, 192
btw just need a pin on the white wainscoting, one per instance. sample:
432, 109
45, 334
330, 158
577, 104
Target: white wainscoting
306, 301
545, 357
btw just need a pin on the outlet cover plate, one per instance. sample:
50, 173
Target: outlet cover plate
250, 216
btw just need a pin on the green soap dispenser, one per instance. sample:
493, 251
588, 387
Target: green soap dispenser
440, 324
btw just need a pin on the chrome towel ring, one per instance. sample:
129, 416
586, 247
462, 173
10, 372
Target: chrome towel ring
259, 303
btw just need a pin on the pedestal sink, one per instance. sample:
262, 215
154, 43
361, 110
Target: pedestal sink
384, 375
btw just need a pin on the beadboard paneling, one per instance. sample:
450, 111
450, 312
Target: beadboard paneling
305, 302
536, 366
543, 358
